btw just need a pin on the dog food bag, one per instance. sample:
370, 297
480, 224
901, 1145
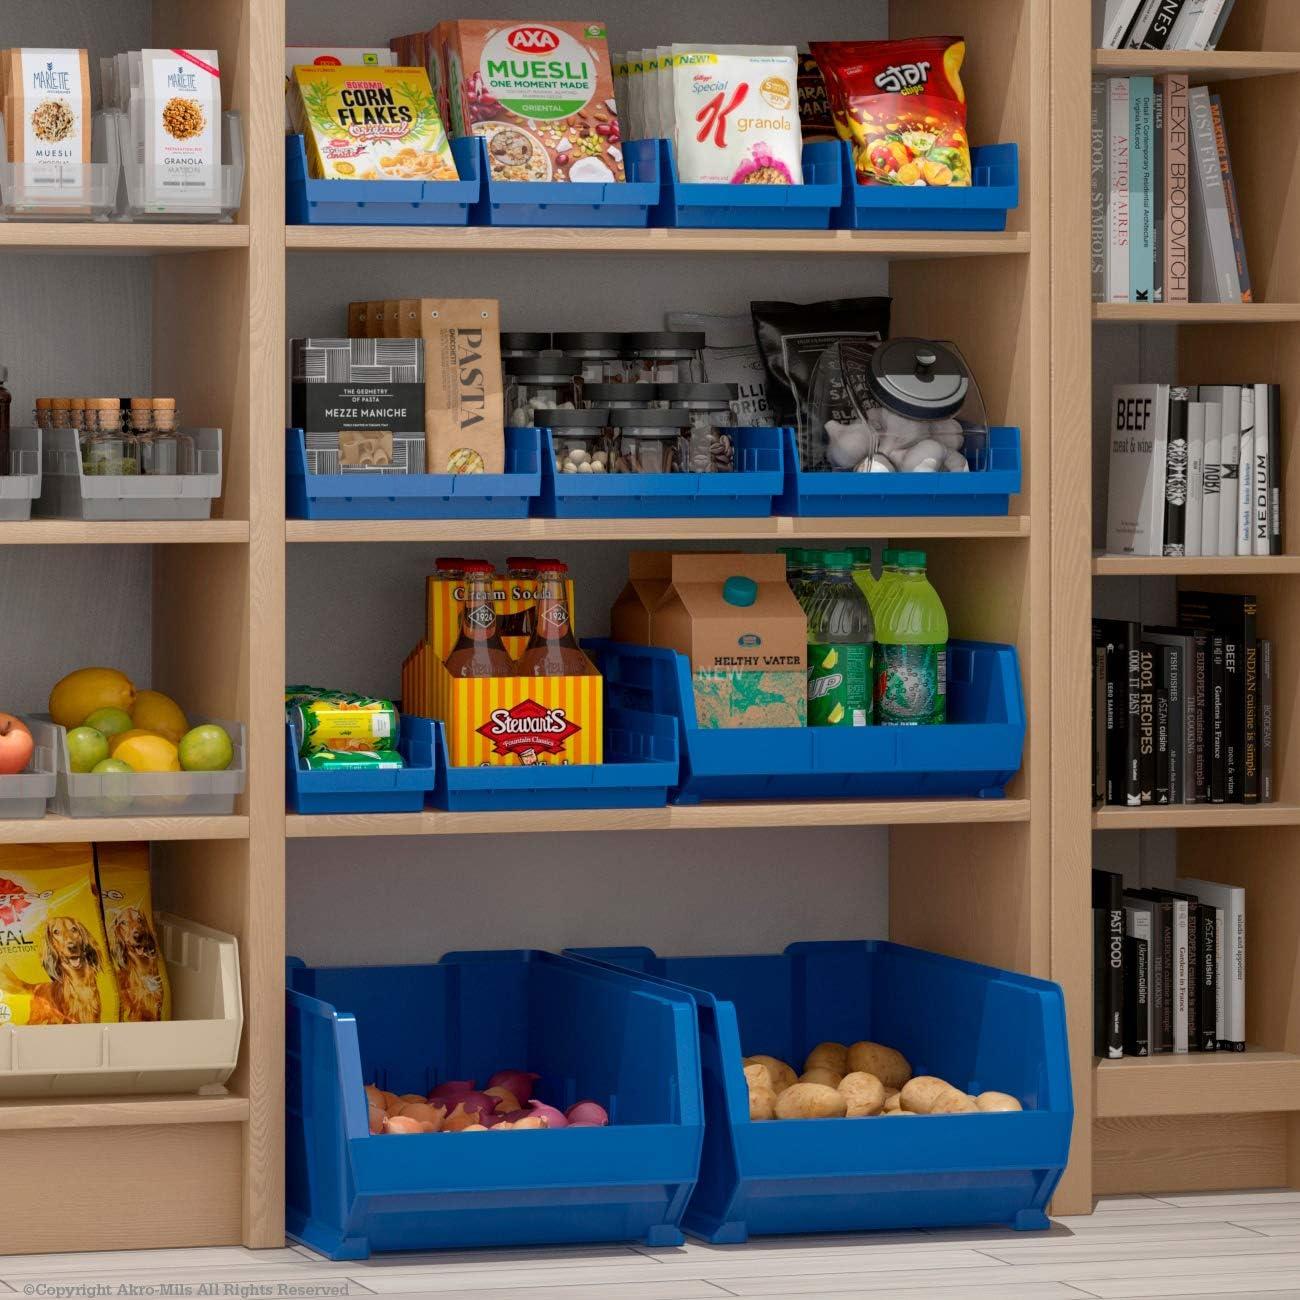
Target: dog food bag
371, 124
902, 107
125, 896
736, 114
54, 964
46, 105
541, 94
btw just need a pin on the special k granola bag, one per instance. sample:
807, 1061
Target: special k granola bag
54, 966
133, 947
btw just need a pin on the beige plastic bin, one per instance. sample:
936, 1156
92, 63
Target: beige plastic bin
196, 1051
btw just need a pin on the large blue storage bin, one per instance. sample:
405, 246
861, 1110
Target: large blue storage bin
754, 207
973, 755
983, 205
746, 493
562, 203
641, 765
407, 1028
416, 496
975, 1026
986, 490
311, 202
357, 790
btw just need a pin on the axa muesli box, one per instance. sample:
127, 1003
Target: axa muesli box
540, 94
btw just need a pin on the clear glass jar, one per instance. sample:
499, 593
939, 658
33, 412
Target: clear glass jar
664, 357
520, 343
44, 413
108, 448
621, 397
600, 354
650, 442
540, 383
61, 413
710, 447
581, 440
164, 448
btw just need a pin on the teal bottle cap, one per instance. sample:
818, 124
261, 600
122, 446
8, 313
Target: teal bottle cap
910, 559
741, 592
838, 559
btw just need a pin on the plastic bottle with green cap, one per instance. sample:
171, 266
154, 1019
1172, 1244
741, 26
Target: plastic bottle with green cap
863, 574
840, 636
793, 565
911, 686
811, 567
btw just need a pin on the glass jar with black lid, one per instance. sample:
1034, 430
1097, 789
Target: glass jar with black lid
547, 383
621, 397
663, 357
710, 447
580, 438
601, 354
649, 442
520, 343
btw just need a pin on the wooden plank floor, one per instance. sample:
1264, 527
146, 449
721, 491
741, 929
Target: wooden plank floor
1238, 1244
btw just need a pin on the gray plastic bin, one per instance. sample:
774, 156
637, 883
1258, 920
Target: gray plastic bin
24, 797
22, 485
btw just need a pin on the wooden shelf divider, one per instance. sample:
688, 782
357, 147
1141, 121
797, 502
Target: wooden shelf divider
1197, 1083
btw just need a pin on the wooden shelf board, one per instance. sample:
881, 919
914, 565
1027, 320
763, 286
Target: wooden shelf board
120, 237
1198, 1083
677, 818
1133, 566
1202, 816
638, 530
119, 1112
76, 532
496, 239
1201, 65
76, 830
1196, 313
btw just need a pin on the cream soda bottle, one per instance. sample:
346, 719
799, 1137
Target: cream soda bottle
911, 645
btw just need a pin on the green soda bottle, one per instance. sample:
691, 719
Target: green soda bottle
840, 637
911, 645
863, 574
811, 566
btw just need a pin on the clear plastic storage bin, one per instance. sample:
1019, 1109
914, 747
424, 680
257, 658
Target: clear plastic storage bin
24, 797
195, 1051
227, 185
22, 484
64, 191
150, 794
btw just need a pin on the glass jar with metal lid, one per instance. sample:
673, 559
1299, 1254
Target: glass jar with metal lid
663, 357
600, 353
710, 447
547, 383
650, 442
521, 343
621, 397
580, 438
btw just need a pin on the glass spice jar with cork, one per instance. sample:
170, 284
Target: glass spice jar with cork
107, 447
164, 449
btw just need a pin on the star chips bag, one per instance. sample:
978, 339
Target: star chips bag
901, 106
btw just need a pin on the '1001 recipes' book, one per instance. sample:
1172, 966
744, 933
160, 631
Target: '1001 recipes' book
1138, 452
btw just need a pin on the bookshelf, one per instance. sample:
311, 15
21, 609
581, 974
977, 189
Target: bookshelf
1195, 1122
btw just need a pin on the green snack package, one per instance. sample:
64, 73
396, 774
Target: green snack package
329, 760
347, 723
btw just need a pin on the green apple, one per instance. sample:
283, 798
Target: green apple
86, 747
110, 722
112, 765
206, 748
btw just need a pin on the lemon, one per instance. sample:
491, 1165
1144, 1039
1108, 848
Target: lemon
155, 711
142, 752
78, 695
115, 741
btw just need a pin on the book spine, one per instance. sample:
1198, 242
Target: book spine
1163, 765
1142, 23
1100, 188
1099, 742
1175, 685
1193, 975
1165, 912
1116, 725
1119, 22
1216, 722
1177, 217
1229, 489
1261, 531
1246, 473
1136, 985
1211, 478
1266, 722
1275, 464
1217, 279
1235, 952
1158, 191
1200, 693
1230, 197
1176, 474
1141, 191
1208, 26
1233, 713
1133, 752
1225, 13
1195, 478
1220, 977
1117, 206
1162, 25
1146, 722
1180, 975
1248, 701
1209, 979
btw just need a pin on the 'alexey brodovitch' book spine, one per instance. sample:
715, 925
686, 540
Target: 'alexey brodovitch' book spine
1176, 473
1108, 915
1176, 232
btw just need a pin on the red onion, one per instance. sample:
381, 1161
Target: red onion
515, 1115
519, 1082
587, 1112
453, 1088
554, 1118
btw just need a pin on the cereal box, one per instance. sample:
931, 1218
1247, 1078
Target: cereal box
371, 123
336, 56
541, 94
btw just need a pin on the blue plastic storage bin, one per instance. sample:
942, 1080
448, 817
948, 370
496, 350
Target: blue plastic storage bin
754, 207
986, 489
975, 1026
982, 205
641, 765
748, 492
973, 755
311, 202
563, 203
408, 1028
356, 790
416, 496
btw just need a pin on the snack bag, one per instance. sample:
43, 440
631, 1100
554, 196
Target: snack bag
133, 949
902, 107
736, 114
54, 966
346, 724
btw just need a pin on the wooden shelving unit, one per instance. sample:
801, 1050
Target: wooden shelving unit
1200, 1121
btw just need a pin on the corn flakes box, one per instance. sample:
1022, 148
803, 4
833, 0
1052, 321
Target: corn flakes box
371, 123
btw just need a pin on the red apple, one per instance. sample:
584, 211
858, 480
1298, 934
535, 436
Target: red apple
16, 745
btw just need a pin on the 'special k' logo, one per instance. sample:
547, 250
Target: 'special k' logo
528, 726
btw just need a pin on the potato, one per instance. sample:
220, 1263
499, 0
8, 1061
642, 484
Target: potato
821, 1074
891, 1114
891, 1092
828, 1056
892, 1106
889, 1066
782, 1075
921, 1093
954, 1103
997, 1101
863, 1094
762, 1103
758, 1076
810, 1101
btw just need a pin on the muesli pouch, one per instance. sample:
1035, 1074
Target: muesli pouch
46, 103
